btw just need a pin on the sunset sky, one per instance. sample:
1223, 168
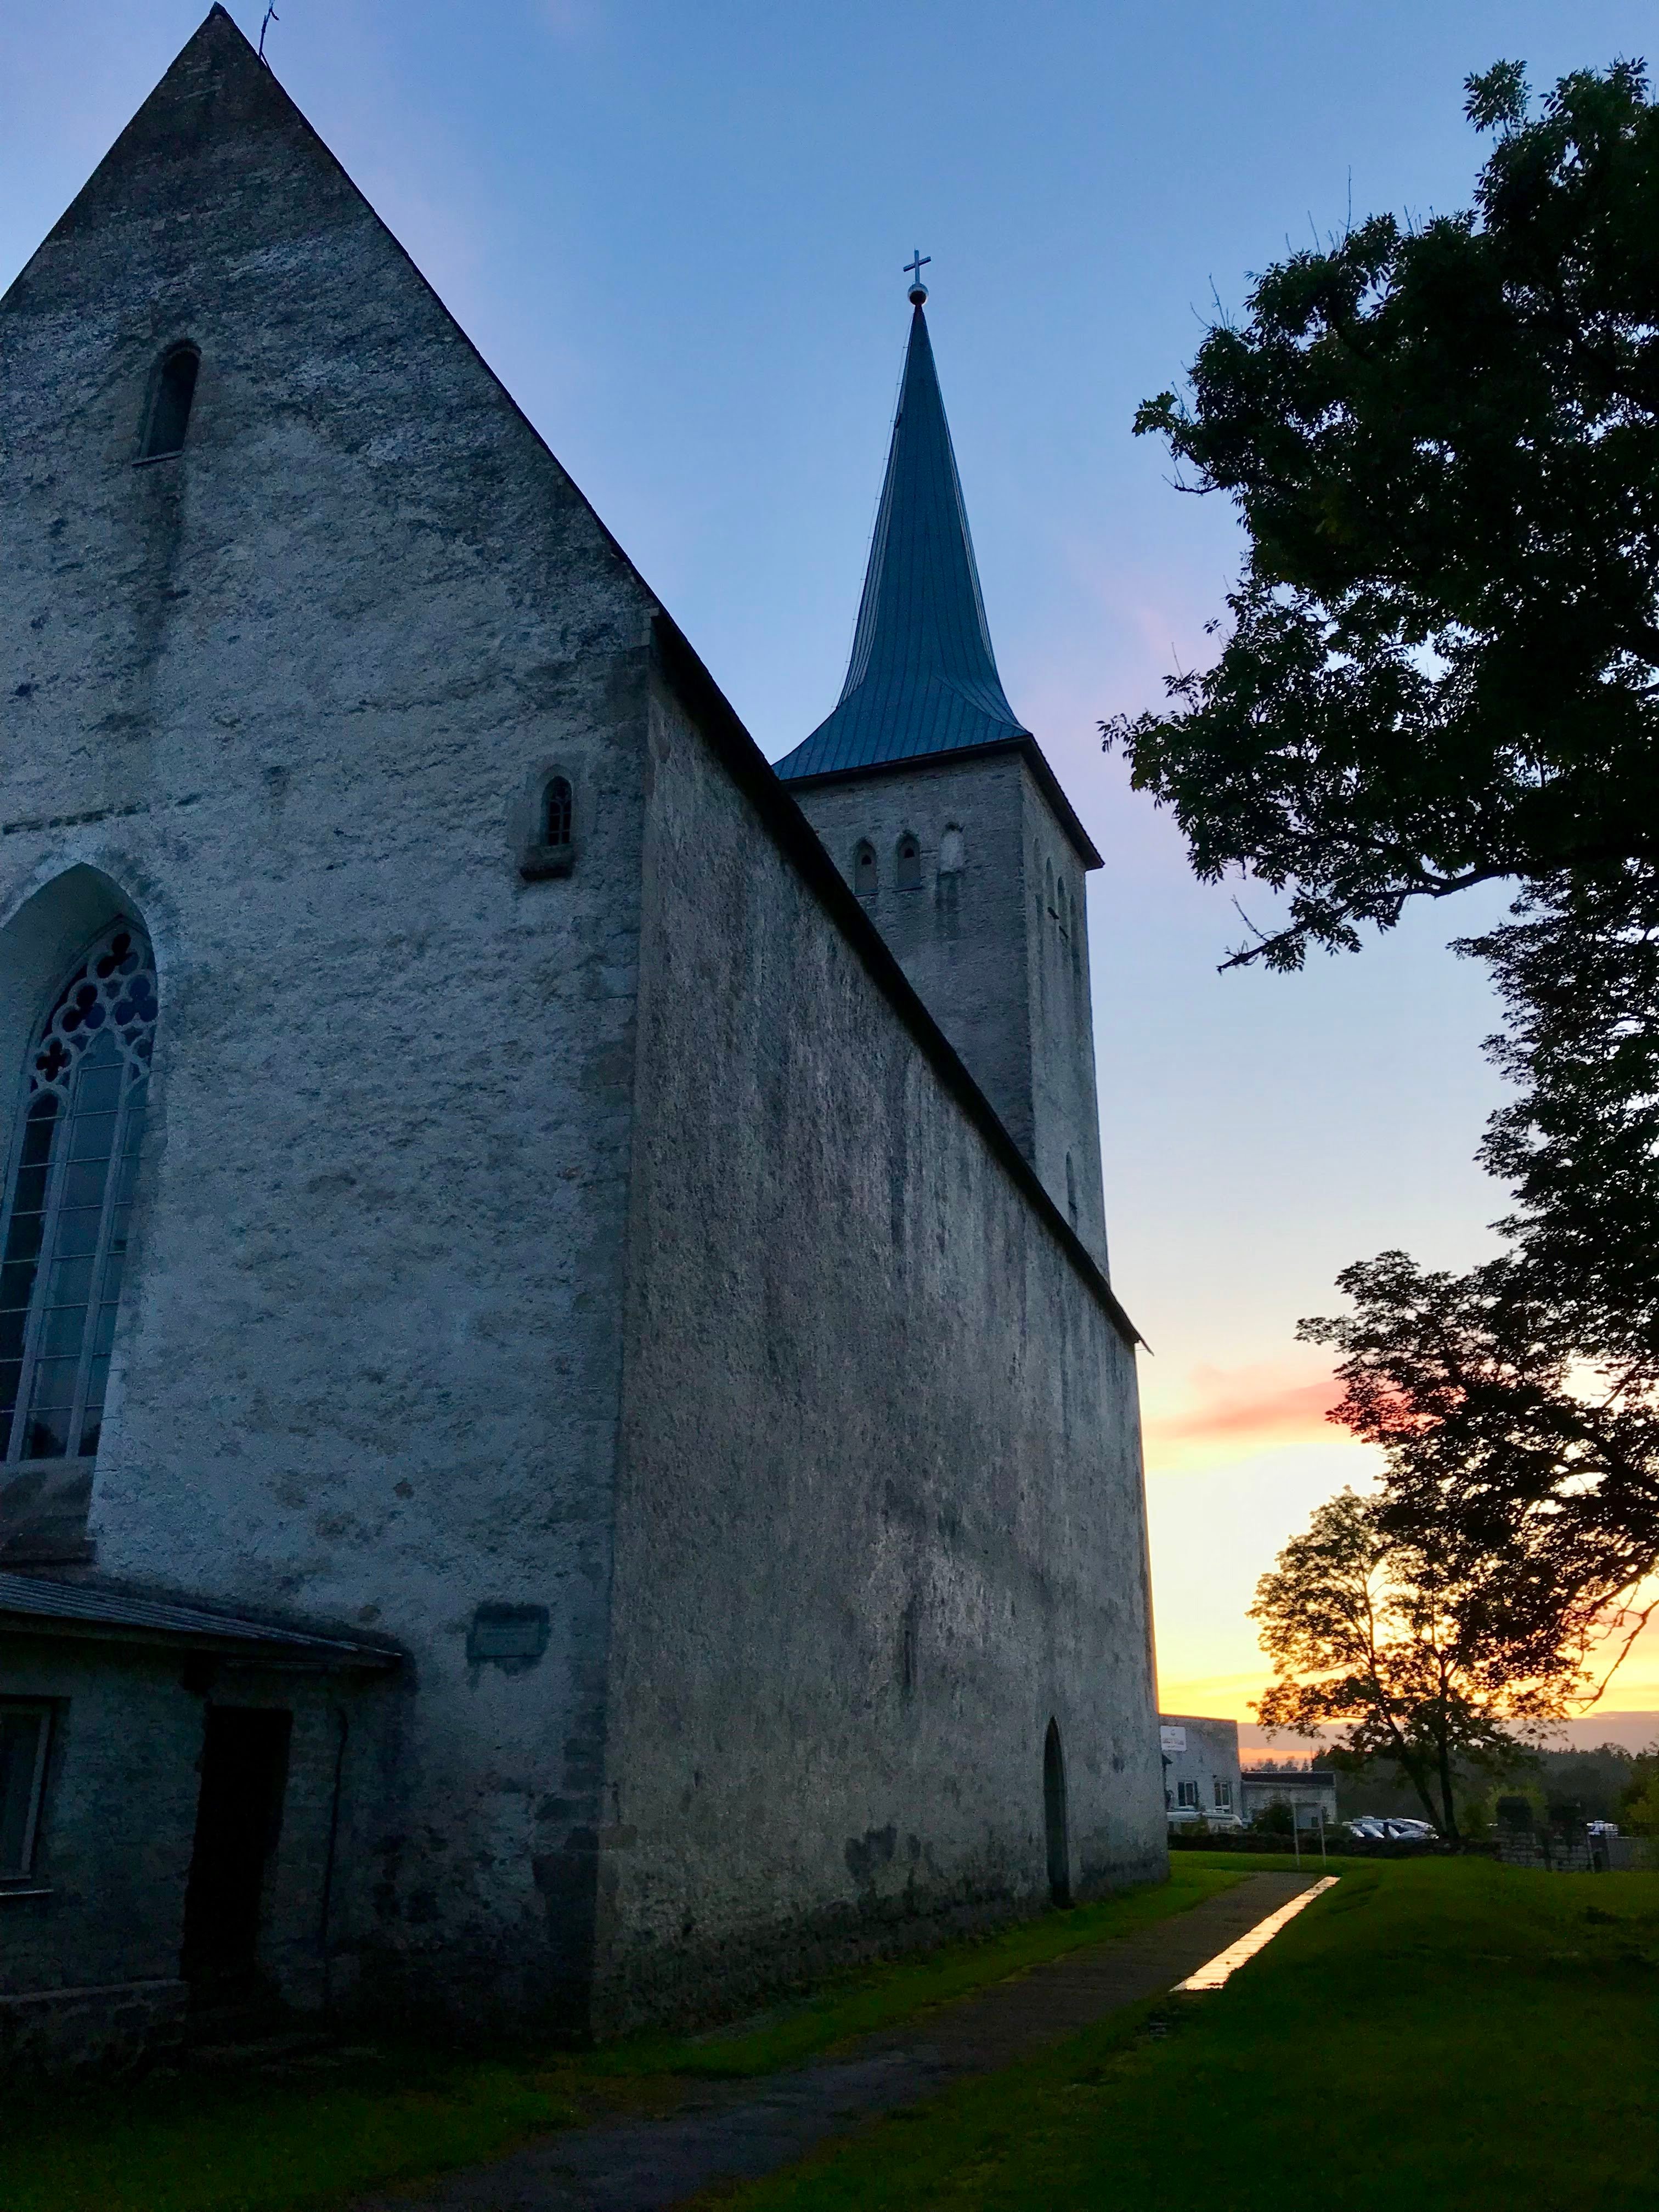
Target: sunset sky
676, 233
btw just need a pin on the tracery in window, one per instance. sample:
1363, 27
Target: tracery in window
170, 403
864, 869
909, 863
558, 813
64, 1240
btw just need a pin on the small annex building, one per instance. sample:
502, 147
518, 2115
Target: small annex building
1201, 1772
568, 1451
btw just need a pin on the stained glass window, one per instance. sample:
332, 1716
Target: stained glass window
64, 1240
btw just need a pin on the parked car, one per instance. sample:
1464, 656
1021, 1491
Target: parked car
1411, 1831
1365, 1829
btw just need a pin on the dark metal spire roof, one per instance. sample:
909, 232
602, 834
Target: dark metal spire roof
922, 678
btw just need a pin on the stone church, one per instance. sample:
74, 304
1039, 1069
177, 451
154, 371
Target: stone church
569, 1455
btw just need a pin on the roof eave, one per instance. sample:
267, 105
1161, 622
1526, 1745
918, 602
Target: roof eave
33, 1614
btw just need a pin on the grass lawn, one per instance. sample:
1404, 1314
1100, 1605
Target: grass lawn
197, 2142
1433, 2033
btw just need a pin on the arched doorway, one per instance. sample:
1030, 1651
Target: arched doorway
1053, 1817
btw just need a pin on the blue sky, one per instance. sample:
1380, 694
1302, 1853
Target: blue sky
676, 233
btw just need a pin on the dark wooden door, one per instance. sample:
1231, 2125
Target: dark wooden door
1053, 1817
238, 1816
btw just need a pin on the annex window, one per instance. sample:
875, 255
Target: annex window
1187, 1793
25, 1734
909, 862
170, 403
1224, 1796
63, 1238
558, 813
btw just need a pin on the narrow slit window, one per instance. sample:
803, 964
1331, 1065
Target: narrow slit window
170, 405
909, 863
64, 1237
25, 1732
864, 869
1071, 1190
558, 813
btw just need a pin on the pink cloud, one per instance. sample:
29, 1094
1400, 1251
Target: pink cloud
1227, 1414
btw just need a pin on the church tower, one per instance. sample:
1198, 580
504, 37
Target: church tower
937, 806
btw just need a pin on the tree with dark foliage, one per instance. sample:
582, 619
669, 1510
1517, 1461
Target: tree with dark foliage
1507, 1459
1442, 663
1416, 1654
1443, 669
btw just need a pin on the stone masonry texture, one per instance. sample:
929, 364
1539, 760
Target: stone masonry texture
586, 1284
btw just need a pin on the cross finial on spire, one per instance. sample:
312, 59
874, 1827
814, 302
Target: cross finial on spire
913, 269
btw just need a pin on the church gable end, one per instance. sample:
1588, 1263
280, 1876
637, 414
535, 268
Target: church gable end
566, 1332
289, 662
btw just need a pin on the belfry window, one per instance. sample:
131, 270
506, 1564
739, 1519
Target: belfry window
864, 869
558, 813
909, 863
170, 403
64, 1238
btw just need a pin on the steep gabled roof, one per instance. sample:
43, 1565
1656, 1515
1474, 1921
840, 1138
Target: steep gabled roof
922, 678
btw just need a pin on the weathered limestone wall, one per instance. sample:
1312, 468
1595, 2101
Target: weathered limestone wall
287, 699
1067, 1115
879, 1497
988, 951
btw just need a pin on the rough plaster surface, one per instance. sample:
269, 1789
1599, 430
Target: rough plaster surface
986, 948
863, 1376
400, 1257
287, 696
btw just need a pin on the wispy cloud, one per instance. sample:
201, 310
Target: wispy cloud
1222, 1413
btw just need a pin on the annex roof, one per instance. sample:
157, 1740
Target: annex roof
33, 1605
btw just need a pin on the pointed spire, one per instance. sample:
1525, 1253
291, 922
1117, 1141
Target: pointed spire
923, 678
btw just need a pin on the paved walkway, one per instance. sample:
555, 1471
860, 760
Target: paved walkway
738, 2131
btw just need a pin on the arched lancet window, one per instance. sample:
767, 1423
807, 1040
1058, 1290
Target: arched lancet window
864, 869
170, 403
909, 862
63, 1238
558, 812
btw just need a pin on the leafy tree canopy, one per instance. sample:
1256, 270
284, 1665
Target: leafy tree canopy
1415, 1654
1530, 1475
1577, 975
1442, 662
